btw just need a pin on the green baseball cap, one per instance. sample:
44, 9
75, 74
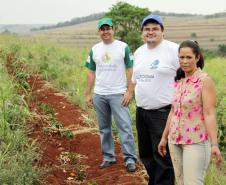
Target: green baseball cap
104, 21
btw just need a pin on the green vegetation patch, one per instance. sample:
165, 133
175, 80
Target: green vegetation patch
17, 151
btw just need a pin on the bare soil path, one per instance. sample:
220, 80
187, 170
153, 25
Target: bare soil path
76, 160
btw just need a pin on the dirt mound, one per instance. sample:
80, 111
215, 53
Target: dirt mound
72, 160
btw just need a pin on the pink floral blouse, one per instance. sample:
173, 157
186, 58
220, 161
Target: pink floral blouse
187, 122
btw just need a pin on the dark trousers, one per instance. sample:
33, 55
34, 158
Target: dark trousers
150, 125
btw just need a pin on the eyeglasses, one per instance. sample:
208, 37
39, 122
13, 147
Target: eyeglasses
155, 29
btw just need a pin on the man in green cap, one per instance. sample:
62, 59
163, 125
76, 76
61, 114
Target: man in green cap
107, 64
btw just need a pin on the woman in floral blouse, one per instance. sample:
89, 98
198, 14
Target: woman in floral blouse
191, 127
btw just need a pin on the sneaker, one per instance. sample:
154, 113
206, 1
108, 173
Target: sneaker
106, 164
131, 167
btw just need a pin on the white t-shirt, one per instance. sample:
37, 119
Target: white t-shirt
153, 74
109, 62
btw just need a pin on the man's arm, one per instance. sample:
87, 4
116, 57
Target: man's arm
130, 87
89, 87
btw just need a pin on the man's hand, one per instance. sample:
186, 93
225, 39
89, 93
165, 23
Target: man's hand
126, 98
89, 101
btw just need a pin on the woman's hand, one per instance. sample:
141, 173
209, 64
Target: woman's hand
162, 147
216, 154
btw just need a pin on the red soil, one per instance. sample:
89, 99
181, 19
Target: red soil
61, 155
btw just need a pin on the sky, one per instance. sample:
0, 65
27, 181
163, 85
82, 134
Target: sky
55, 11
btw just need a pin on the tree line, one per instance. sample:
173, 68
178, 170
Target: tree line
96, 16
127, 19
73, 21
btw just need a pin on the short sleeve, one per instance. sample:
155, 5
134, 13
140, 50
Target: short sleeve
128, 57
90, 64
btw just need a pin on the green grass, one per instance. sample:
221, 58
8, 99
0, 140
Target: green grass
64, 67
17, 152
216, 175
216, 68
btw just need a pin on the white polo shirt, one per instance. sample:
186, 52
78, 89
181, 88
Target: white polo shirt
153, 74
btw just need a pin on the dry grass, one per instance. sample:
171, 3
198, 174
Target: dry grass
208, 32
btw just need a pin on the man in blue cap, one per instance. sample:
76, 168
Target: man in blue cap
107, 63
155, 65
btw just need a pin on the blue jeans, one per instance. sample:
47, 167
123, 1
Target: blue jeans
106, 106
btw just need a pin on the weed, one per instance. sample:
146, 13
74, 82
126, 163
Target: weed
213, 179
221, 118
46, 108
68, 134
54, 125
92, 183
75, 158
17, 152
80, 172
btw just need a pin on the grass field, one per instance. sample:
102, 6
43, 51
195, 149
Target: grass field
208, 32
17, 151
64, 67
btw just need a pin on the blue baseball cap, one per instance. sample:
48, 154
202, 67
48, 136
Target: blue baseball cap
156, 18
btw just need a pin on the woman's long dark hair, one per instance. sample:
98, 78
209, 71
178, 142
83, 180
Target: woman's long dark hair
196, 50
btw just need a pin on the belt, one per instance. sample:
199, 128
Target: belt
162, 109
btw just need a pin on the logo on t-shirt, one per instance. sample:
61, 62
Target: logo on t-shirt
106, 64
106, 58
144, 77
154, 64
